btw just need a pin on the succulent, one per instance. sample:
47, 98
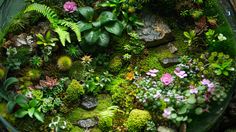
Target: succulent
36, 61
49, 82
64, 63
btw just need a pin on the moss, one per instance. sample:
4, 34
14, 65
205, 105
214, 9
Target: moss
104, 101
151, 61
74, 90
115, 64
137, 120
64, 63
33, 74
5, 114
77, 70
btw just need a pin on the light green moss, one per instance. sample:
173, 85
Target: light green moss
137, 120
152, 60
104, 101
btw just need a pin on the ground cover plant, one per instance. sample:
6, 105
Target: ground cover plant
116, 65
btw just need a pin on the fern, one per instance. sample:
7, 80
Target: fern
58, 25
72, 26
63, 35
44, 10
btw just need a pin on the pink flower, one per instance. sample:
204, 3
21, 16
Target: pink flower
70, 6
152, 73
205, 82
179, 73
193, 90
167, 113
167, 79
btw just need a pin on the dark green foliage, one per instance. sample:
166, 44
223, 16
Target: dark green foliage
73, 51
98, 31
77, 70
36, 61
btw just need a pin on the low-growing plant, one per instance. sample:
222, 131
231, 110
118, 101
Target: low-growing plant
73, 51
58, 124
46, 40
36, 61
33, 74
64, 63
74, 91
191, 37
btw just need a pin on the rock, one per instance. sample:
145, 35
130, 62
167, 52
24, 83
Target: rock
167, 62
172, 48
89, 102
165, 129
87, 123
155, 31
24, 39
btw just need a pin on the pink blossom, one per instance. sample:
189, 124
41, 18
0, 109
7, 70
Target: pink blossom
193, 90
211, 87
157, 95
167, 113
70, 6
152, 73
179, 73
205, 82
167, 79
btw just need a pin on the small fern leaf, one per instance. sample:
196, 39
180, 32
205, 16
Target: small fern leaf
63, 35
44, 10
73, 26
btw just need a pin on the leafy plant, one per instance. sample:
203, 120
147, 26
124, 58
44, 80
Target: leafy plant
60, 26
36, 61
4, 93
191, 37
30, 108
48, 40
57, 124
97, 32
73, 51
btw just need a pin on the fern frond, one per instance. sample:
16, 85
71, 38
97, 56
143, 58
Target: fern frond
73, 26
44, 10
63, 35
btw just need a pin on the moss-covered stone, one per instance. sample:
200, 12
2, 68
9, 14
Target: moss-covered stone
137, 120
74, 90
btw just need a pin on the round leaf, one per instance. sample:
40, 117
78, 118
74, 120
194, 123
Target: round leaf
191, 100
21, 113
92, 37
198, 111
103, 39
115, 28
86, 12
106, 16
84, 26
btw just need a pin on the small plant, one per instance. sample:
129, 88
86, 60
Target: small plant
115, 64
33, 74
58, 124
36, 61
30, 108
49, 104
48, 40
73, 51
74, 90
191, 37
48, 83
106, 118
64, 63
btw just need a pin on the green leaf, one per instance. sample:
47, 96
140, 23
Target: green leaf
182, 110
22, 101
226, 73
33, 103
48, 35
10, 106
86, 12
21, 113
91, 37
97, 24
218, 72
9, 82
198, 111
106, 17
39, 116
84, 26
191, 99
115, 28
103, 39
187, 35
63, 35
31, 112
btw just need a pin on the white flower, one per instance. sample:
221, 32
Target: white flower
221, 37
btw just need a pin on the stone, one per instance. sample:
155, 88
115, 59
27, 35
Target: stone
89, 102
165, 129
87, 123
167, 62
154, 32
172, 48
24, 39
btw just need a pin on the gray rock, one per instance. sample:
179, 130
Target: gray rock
155, 31
87, 123
89, 102
167, 62
172, 48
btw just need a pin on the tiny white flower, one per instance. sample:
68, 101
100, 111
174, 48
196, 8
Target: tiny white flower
221, 37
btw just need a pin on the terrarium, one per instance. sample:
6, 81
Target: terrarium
117, 65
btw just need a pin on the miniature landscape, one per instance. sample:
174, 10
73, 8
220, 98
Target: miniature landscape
116, 66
